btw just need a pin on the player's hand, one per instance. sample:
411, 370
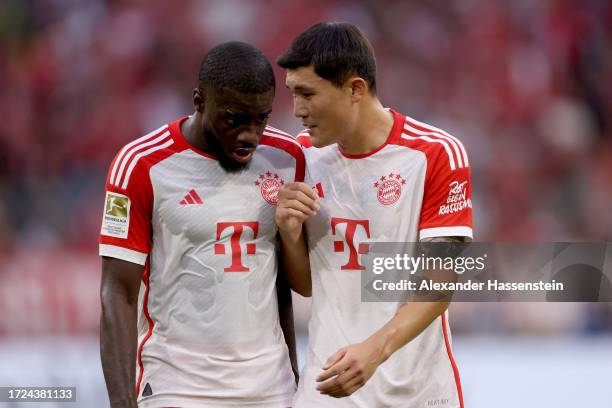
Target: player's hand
349, 369
296, 202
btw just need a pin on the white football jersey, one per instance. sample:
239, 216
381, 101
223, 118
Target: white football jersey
208, 325
416, 185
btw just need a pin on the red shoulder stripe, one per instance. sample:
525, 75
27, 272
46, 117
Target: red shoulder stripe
290, 146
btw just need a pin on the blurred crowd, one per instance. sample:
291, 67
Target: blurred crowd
526, 85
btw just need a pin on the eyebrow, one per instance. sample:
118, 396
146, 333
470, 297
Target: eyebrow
301, 88
231, 112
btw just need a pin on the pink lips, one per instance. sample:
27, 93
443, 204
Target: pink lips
243, 154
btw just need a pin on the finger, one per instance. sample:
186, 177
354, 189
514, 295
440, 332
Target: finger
346, 386
308, 190
329, 387
337, 393
287, 196
339, 383
352, 385
336, 369
303, 187
354, 388
303, 198
292, 212
334, 358
297, 205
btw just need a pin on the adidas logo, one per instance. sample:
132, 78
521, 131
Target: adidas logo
191, 198
147, 392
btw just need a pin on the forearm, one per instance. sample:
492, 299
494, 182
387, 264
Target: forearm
414, 317
118, 338
295, 262
285, 313
409, 321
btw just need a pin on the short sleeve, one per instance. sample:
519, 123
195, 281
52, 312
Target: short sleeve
447, 201
126, 221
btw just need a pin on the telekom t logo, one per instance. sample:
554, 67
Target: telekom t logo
351, 227
235, 247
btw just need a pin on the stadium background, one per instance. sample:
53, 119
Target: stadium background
526, 85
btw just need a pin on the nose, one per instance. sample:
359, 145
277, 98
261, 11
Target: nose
250, 135
299, 108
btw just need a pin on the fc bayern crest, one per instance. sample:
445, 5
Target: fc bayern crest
389, 188
269, 184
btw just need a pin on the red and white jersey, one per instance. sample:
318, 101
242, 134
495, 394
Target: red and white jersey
208, 325
416, 185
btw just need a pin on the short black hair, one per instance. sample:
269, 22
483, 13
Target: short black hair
335, 50
238, 66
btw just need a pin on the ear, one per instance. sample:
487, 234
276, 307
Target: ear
198, 100
359, 88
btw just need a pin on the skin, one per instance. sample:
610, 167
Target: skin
348, 115
118, 336
351, 367
228, 125
354, 118
296, 202
285, 315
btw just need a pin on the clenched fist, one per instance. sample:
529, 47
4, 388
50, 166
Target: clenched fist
296, 202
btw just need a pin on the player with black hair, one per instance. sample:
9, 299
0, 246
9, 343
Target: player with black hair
335, 51
190, 309
219, 69
225, 75
379, 176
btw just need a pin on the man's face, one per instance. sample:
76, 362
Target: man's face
323, 108
233, 123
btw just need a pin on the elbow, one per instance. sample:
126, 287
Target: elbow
105, 302
305, 291
106, 309
115, 302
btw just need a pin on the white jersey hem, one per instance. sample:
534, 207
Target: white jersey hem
445, 232
123, 254
284, 402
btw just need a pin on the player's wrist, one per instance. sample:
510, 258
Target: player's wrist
123, 402
290, 235
382, 345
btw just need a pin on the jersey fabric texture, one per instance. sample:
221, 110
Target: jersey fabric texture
415, 186
208, 325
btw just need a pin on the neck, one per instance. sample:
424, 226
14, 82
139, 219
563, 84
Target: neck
371, 130
193, 132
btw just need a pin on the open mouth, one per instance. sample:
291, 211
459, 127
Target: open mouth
243, 154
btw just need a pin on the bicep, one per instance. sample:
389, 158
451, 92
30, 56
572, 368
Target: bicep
444, 247
447, 239
120, 278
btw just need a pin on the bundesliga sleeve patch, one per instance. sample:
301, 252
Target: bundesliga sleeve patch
116, 221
